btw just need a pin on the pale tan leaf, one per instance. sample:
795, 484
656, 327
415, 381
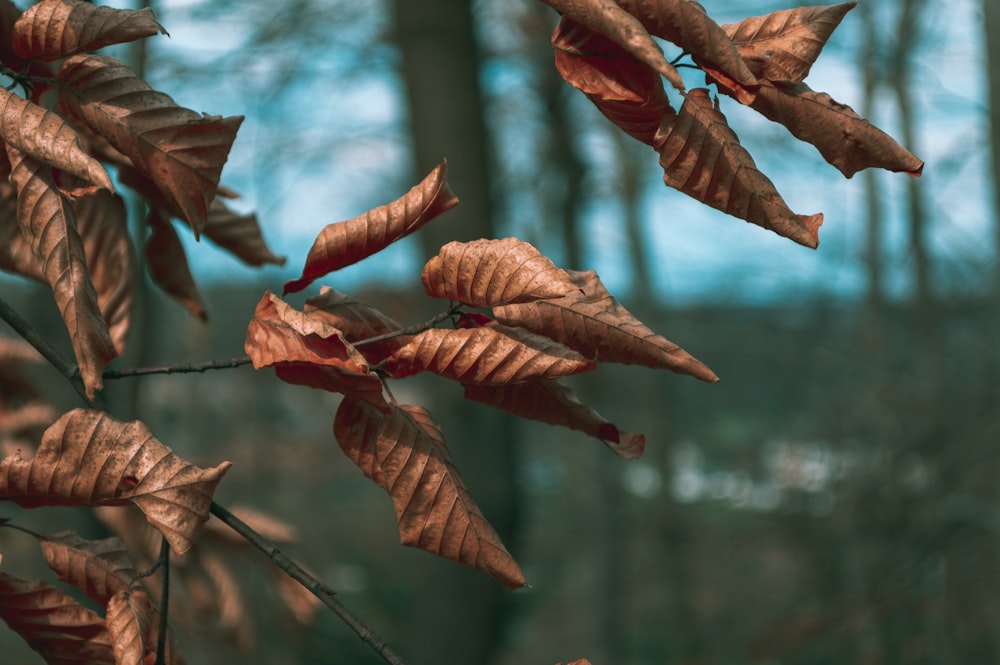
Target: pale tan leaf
88, 458
845, 139
357, 321
702, 157
783, 45
492, 354
229, 601
182, 151
47, 222
98, 568
54, 29
596, 325
344, 243
685, 23
305, 349
48, 138
628, 92
167, 264
622, 27
551, 402
405, 453
133, 625
25, 418
240, 235
299, 600
483, 273
16, 254
53, 624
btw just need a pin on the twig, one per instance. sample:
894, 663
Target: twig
49, 352
177, 369
161, 638
324, 593
414, 329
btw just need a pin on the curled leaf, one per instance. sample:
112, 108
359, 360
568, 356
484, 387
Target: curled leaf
358, 322
99, 568
89, 458
240, 235
493, 354
702, 157
134, 626
483, 273
54, 29
596, 325
345, 243
405, 453
553, 403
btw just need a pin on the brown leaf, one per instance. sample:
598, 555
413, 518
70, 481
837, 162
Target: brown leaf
622, 27
483, 273
16, 255
590, 321
357, 321
240, 235
305, 349
134, 625
405, 453
9, 13
628, 92
553, 403
88, 458
783, 45
229, 601
492, 354
48, 138
844, 138
53, 624
47, 222
182, 151
168, 266
685, 23
702, 157
299, 600
581, 661
345, 243
58, 28
99, 568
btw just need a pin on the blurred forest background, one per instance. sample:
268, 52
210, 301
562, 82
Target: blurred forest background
833, 500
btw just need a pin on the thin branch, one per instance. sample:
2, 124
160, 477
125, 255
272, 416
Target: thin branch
324, 593
178, 369
414, 329
49, 352
161, 638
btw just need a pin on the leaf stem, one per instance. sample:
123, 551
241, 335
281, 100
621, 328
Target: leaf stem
177, 369
323, 592
161, 638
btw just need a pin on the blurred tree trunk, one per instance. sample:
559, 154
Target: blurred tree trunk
991, 24
440, 66
870, 64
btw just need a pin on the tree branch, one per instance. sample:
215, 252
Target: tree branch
324, 593
161, 638
177, 369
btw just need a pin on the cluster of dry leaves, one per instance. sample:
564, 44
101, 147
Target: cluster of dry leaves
519, 324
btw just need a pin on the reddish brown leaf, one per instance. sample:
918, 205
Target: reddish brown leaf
483, 273
553, 403
357, 321
167, 264
622, 27
240, 235
593, 323
48, 224
702, 157
182, 151
685, 23
783, 45
99, 568
405, 453
844, 138
48, 138
88, 458
345, 243
53, 624
134, 625
305, 349
16, 255
58, 28
624, 89
492, 354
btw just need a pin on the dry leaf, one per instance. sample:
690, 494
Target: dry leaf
305, 349
47, 222
405, 453
54, 29
493, 354
702, 157
593, 323
783, 45
134, 625
99, 568
553, 403
181, 151
53, 624
299, 600
16, 255
167, 264
357, 321
229, 601
88, 458
483, 273
345, 243
240, 235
